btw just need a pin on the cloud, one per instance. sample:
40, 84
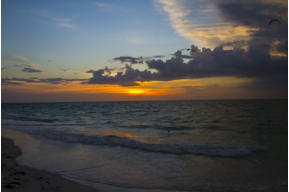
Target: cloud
63, 22
256, 14
8, 82
21, 61
138, 60
220, 62
19, 81
106, 6
255, 63
202, 23
102, 5
128, 59
18, 61
247, 58
31, 70
179, 54
127, 78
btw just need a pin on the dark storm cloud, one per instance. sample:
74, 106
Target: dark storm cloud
254, 13
179, 54
156, 56
136, 60
31, 70
19, 81
105, 70
205, 63
127, 78
131, 60
257, 14
273, 71
239, 43
255, 62
219, 62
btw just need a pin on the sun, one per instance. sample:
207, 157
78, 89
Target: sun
135, 91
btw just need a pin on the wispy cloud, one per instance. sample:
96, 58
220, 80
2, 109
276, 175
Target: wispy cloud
19, 81
64, 22
101, 4
60, 21
18, 61
200, 22
31, 70
104, 5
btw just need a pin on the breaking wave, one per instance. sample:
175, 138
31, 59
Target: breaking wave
111, 140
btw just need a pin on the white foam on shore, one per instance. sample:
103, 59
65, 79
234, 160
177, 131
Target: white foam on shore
122, 169
112, 140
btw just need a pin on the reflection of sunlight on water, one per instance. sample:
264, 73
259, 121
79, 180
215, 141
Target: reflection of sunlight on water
152, 141
138, 135
143, 138
137, 123
118, 133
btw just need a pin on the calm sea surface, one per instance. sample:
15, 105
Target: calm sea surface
224, 145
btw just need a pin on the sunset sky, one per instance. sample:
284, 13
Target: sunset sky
114, 50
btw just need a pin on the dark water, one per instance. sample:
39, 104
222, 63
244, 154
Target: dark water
233, 145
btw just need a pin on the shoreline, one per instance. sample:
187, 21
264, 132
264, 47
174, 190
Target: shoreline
21, 178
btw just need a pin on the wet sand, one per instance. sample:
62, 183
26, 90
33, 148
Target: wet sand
21, 178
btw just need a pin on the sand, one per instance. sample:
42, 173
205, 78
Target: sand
21, 178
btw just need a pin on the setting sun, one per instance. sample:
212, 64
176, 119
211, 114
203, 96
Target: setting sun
136, 91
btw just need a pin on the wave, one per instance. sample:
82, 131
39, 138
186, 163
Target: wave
157, 126
111, 140
22, 118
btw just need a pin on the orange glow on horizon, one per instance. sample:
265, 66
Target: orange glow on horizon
150, 90
136, 91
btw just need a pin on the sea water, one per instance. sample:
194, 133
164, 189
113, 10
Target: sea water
216, 145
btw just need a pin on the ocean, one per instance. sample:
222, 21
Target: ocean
198, 145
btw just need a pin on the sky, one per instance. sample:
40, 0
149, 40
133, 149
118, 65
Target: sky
119, 50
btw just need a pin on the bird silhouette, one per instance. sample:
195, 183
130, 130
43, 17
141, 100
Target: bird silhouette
274, 20
187, 49
64, 70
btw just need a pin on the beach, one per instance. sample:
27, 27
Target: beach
125, 146
21, 178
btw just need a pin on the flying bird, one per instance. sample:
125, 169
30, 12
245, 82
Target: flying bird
187, 49
274, 20
64, 70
